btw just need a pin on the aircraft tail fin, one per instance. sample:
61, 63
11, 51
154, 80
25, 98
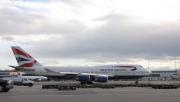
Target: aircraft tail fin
24, 59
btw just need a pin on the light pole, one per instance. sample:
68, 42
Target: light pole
175, 67
148, 71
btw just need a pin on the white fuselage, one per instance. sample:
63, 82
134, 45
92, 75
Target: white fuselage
110, 70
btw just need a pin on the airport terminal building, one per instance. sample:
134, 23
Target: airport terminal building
164, 75
8, 73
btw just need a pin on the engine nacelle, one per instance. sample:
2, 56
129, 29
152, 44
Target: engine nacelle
101, 78
84, 78
90, 78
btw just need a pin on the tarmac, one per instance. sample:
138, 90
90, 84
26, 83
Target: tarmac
122, 94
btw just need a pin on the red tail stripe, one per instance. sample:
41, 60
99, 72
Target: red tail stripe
19, 52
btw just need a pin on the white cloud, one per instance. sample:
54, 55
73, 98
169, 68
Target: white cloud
92, 30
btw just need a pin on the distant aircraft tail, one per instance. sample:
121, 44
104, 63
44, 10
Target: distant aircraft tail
24, 59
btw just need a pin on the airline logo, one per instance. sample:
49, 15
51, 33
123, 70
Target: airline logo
119, 69
131, 68
23, 58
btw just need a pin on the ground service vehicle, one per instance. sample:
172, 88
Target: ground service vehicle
19, 80
5, 85
23, 81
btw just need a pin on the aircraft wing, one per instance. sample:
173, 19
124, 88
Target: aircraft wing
18, 68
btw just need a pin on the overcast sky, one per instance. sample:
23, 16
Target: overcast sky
92, 32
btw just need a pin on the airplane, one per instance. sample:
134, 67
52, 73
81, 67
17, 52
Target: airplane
85, 74
35, 78
15, 74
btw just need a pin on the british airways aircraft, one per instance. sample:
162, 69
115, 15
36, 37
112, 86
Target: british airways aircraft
85, 74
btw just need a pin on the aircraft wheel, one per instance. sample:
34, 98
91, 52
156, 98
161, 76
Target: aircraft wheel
30, 85
1, 88
6, 90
